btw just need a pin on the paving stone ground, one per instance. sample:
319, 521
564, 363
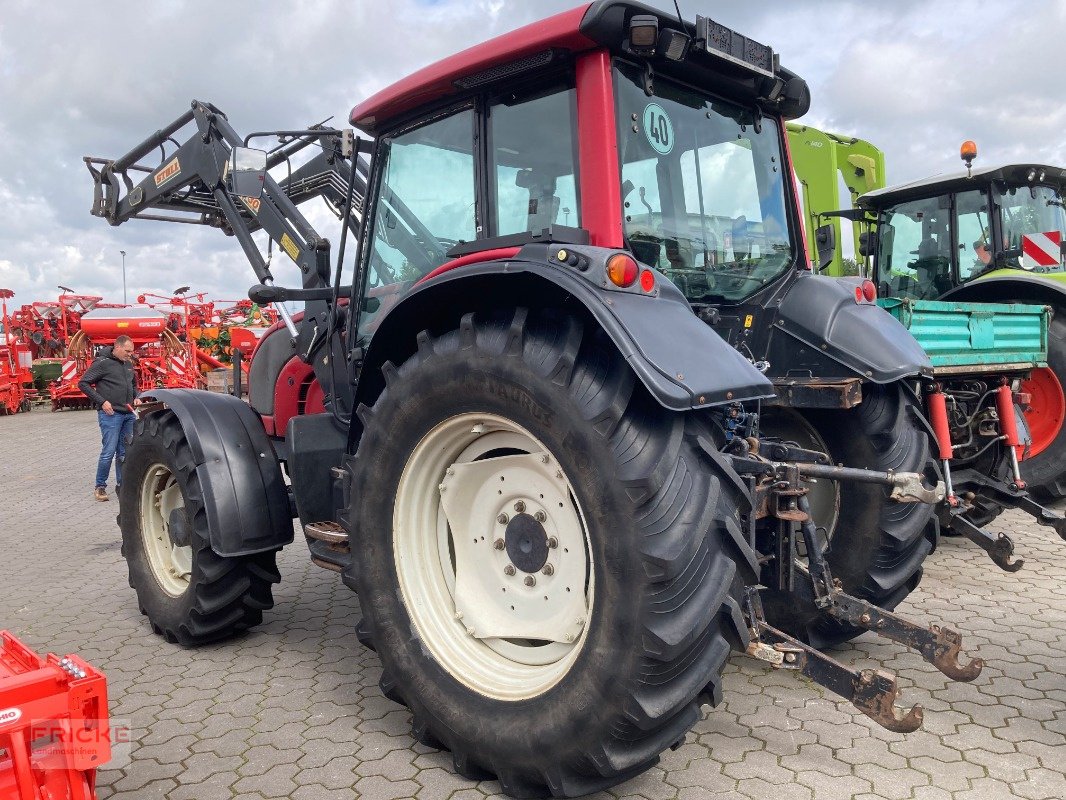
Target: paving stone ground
293, 708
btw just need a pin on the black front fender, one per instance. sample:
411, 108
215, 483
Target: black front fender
682, 362
245, 497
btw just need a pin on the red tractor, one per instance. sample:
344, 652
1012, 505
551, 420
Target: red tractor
509, 422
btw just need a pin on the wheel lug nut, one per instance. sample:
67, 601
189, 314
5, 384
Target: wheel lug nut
553, 542
499, 544
544, 459
548, 569
530, 581
502, 519
540, 516
519, 506
509, 569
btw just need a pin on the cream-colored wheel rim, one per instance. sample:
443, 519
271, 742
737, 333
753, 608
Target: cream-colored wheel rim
493, 556
160, 496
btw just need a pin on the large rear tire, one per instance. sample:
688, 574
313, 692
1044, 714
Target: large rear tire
515, 467
876, 545
1045, 470
190, 594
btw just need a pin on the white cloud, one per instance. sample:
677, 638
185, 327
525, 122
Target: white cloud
82, 78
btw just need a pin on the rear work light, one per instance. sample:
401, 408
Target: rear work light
622, 270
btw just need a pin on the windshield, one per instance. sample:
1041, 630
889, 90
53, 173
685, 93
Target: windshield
702, 189
1033, 224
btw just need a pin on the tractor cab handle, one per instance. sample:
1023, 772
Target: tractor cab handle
262, 293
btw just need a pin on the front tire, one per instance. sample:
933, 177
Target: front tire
190, 594
525, 416
876, 545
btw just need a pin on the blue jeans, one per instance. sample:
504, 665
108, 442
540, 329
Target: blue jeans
114, 431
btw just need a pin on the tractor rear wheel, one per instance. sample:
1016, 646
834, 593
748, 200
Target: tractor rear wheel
1044, 470
876, 545
190, 594
550, 565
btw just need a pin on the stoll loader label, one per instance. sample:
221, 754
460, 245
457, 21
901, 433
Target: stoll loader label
10, 715
658, 128
168, 172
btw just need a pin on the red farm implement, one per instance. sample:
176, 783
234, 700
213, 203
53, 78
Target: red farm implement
54, 730
16, 377
47, 326
163, 359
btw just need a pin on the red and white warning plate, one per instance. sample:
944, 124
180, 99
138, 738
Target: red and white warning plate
1041, 250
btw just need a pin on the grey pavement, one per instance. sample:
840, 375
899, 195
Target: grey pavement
293, 708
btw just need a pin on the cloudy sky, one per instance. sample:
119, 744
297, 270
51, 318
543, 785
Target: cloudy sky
94, 78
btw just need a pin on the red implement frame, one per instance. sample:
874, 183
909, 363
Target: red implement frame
54, 731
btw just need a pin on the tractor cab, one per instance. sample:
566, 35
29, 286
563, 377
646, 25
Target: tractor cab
613, 125
936, 235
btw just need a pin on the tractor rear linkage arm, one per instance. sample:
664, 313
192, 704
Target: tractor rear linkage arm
779, 494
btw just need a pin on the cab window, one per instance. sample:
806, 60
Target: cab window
914, 241
974, 241
426, 206
534, 162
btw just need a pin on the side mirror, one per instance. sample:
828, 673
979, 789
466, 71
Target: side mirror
247, 172
867, 243
825, 240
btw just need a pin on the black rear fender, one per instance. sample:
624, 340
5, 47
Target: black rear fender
247, 502
681, 361
822, 332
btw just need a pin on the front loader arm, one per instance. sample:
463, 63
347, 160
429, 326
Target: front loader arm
189, 185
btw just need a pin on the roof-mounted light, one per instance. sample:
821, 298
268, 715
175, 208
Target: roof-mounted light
968, 152
727, 44
1031, 176
674, 45
643, 34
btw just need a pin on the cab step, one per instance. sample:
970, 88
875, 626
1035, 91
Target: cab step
330, 532
328, 543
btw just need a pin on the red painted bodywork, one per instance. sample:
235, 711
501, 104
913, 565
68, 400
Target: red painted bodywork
437, 81
296, 392
597, 141
473, 258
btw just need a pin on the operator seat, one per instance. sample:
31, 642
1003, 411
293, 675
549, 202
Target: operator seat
543, 204
933, 268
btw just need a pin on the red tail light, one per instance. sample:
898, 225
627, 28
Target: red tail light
869, 291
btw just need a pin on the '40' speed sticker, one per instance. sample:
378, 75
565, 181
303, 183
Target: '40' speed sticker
658, 128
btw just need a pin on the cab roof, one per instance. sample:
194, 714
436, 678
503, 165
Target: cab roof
592, 25
1011, 174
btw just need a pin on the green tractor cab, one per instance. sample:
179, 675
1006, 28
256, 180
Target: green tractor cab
972, 264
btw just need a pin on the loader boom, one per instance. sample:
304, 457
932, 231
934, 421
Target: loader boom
189, 184
822, 160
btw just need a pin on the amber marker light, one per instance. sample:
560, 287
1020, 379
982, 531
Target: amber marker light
622, 270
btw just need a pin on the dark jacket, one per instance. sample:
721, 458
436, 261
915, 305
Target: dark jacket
109, 379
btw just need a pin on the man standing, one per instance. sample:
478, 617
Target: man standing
109, 383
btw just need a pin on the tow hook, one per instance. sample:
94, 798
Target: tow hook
939, 646
873, 692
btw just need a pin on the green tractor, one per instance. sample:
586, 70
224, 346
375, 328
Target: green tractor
973, 265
